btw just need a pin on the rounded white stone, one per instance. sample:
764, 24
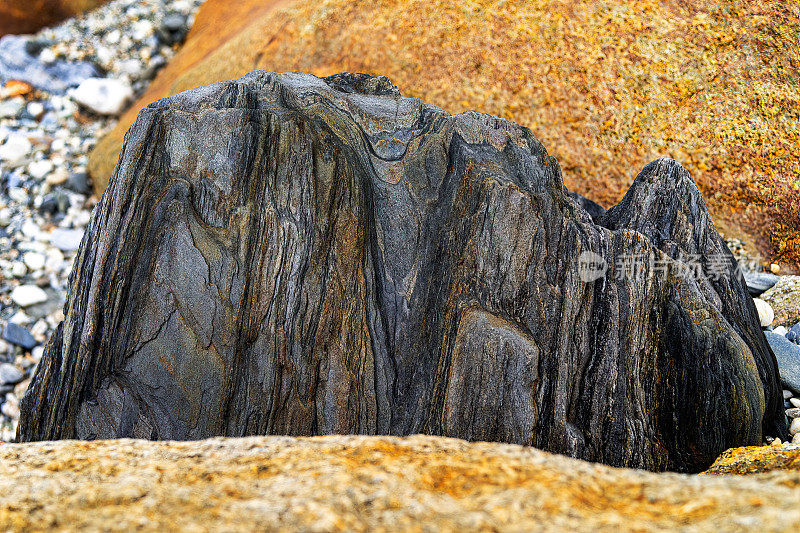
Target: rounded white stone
40, 169
765, 313
104, 96
16, 150
34, 260
19, 270
26, 295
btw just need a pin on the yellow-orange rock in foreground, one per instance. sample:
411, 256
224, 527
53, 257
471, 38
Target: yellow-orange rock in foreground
606, 85
27, 16
759, 459
366, 483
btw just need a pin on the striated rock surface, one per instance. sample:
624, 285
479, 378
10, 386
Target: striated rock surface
367, 484
285, 254
27, 16
606, 85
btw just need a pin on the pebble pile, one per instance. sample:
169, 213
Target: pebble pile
792, 404
61, 91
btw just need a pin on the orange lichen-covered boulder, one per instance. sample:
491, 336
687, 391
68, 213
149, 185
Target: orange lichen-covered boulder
26, 16
356, 483
759, 459
607, 85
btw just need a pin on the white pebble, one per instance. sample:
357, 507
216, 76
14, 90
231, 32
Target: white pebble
104, 55
33, 260
40, 169
20, 318
57, 145
26, 295
67, 240
19, 270
58, 176
794, 427
142, 29
37, 353
35, 109
47, 56
15, 150
5, 217
113, 37
18, 194
103, 96
795, 401
31, 230
11, 410
55, 259
765, 313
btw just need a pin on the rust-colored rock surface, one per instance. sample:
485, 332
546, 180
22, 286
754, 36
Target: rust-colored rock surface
27, 16
607, 85
759, 459
366, 484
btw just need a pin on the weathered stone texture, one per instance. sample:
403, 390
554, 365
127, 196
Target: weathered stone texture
366, 484
285, 254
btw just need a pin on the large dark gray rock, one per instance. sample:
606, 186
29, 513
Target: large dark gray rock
288, 254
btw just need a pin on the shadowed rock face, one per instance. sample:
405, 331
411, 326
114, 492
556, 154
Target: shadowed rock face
284, 254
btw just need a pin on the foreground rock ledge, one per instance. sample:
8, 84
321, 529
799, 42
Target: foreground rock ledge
366, 484
284, 254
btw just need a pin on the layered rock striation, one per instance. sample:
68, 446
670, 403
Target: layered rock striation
284, 254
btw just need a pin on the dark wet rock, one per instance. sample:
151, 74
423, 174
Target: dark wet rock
19, 336
759, 282
787, 354
54, 203
17, 64
79, 182
173, 29
34, 46
285, 254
